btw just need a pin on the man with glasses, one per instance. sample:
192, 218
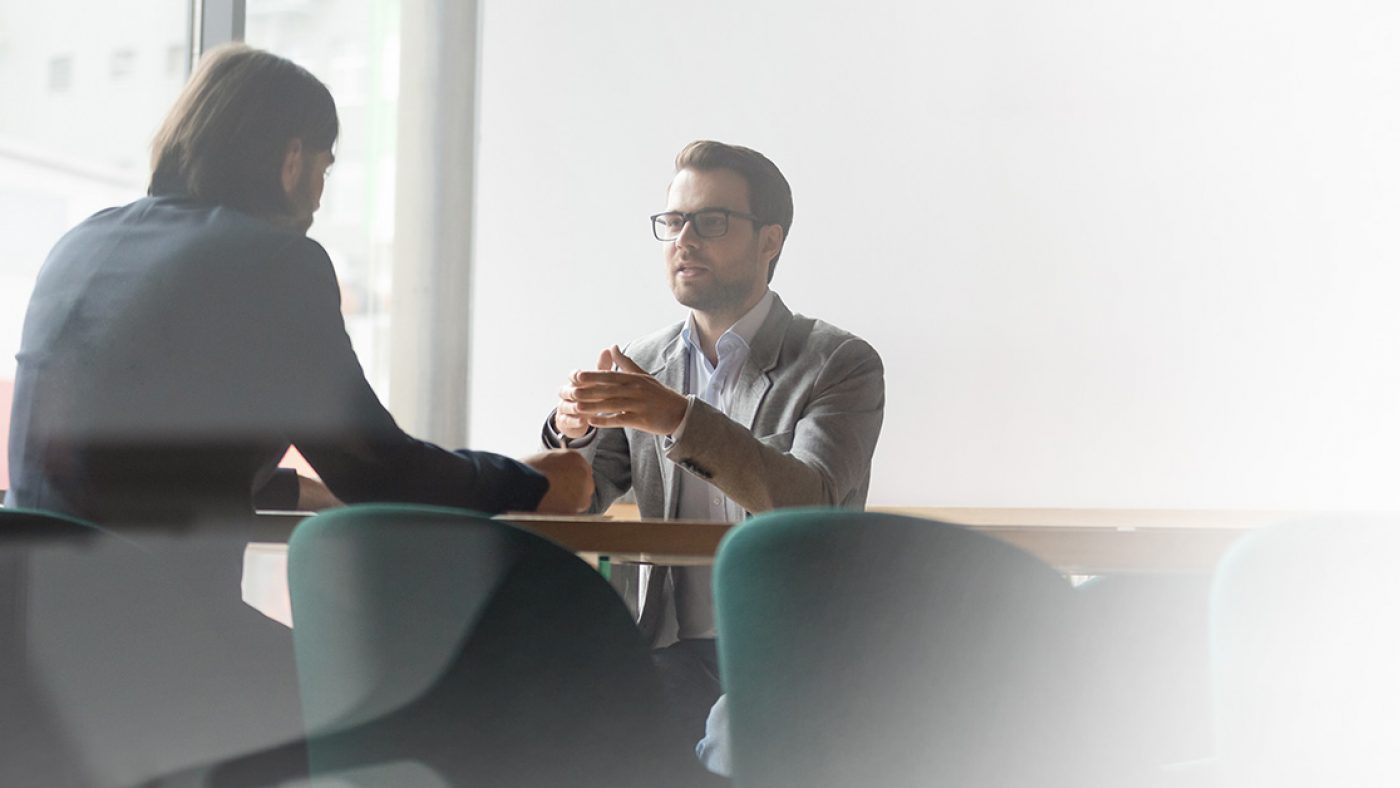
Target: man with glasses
741, 408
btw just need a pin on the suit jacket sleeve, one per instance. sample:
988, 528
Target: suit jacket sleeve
334, 418
828, 460
607, 451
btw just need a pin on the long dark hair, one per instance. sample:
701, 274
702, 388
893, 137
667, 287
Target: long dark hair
225, 139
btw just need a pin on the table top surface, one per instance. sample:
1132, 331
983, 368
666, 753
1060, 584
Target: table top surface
1074, 541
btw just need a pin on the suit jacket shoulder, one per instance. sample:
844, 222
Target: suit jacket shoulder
811, 339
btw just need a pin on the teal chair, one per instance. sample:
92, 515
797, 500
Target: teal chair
439, 647
1305, 637
875, 649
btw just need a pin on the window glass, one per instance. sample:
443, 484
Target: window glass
79, 102
353, 47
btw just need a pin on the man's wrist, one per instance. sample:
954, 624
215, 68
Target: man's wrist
676, 433
557, 439
684, 410
579, 442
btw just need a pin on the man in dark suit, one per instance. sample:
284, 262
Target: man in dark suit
173, 348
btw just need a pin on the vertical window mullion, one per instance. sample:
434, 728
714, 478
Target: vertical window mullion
217, 22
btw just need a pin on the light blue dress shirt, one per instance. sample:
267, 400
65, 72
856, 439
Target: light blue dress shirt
713, 384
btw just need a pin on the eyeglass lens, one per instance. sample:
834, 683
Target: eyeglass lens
707, 224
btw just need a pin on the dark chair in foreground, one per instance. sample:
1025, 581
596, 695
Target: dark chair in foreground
1305, 633
875, 649
439, 647
127, 655
33, 749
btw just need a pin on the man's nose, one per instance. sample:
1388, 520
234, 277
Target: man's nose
688, 236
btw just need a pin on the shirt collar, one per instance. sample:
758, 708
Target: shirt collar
740, 334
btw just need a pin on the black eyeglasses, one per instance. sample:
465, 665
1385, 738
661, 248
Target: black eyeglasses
709, 223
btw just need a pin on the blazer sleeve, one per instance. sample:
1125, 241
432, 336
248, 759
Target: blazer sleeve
832, 443
335, 419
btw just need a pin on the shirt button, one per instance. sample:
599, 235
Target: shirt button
716, 502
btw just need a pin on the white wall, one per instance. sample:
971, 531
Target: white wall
1113, 254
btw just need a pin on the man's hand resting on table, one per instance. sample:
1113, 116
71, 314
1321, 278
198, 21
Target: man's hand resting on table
570, 481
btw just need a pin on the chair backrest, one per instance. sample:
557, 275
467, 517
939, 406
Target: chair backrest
438, 639
1305, 635
134, 654
885, 650
33, 750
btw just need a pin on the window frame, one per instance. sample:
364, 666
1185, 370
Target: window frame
430, 337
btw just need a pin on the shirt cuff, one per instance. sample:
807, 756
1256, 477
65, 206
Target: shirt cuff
675, 436
556, 439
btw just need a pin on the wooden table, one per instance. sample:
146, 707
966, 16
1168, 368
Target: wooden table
1075, 541
1108, 541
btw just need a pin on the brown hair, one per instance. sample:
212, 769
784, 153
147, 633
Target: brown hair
225, 139
770, 197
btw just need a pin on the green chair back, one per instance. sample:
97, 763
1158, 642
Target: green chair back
445, 641
874, 649
1305, 644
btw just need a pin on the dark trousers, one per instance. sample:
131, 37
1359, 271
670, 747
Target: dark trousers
689, 671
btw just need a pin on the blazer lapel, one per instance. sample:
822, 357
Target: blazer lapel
671, 373
754, 380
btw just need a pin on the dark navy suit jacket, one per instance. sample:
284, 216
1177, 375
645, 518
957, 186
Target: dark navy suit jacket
171, 352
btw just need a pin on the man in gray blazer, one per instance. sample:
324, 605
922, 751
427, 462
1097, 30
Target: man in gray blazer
742, 408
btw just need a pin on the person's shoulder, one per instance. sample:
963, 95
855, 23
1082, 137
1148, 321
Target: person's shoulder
247, 245
98, 231
184, 221
254, 239
117, 215
812, 342
255, 229
817, 334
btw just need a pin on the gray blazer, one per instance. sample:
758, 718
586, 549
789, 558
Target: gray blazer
805, 417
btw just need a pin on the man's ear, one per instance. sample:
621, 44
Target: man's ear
770, 239
293, 161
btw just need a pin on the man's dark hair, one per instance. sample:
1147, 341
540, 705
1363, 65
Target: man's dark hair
226, 138
770, 197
